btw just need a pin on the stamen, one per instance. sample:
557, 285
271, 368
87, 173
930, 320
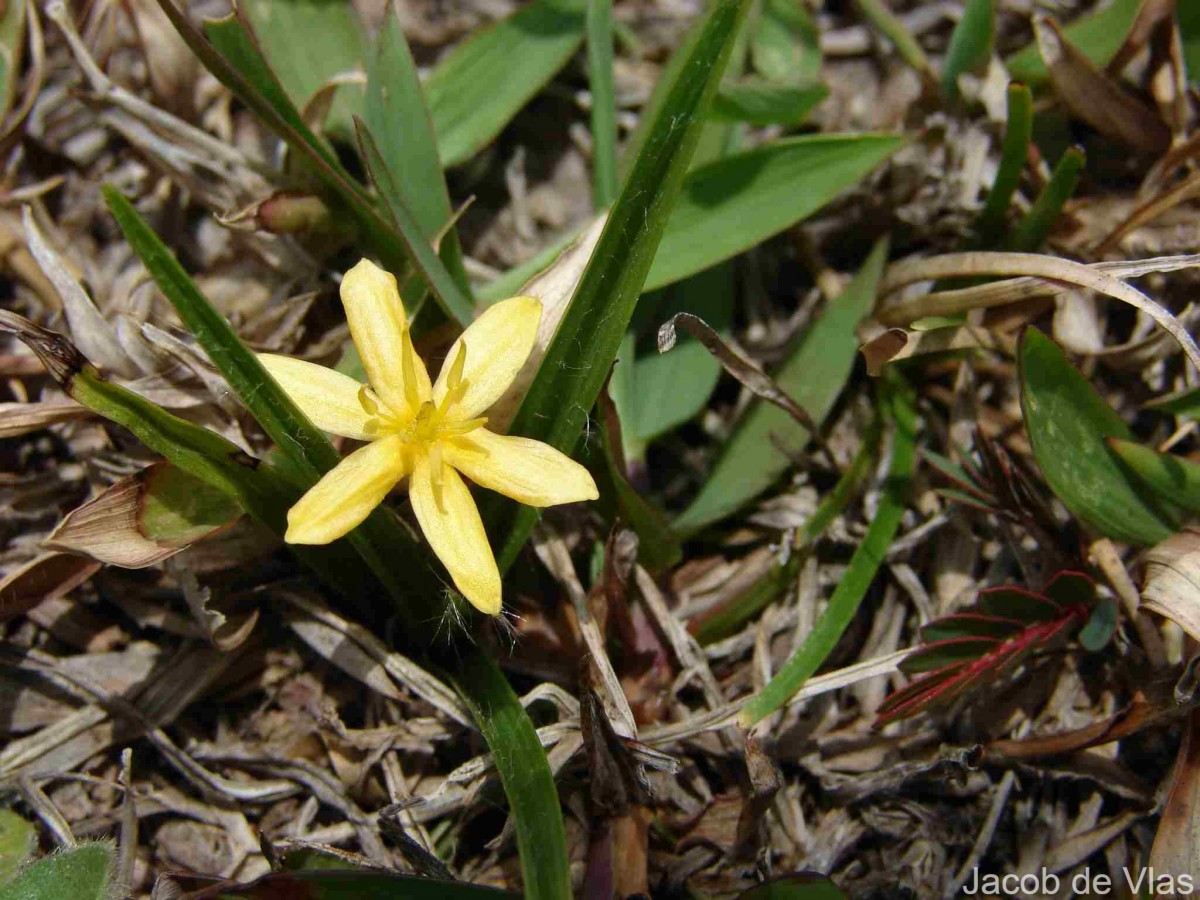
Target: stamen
366, 401
411, 394
464, 427
435, 474
456, 386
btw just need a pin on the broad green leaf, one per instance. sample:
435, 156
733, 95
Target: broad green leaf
604, 103
1067, 423
785, 45
398, 120
860, 572
813, 374
1035, 226
765, 103
81, 873
178, 508
1014, 153
477, 89
354, 885
735, 203
970, 44
390, 554
12, 39
578, 359
308, 42
231, 54
18, 839
1098, 35
1174, 479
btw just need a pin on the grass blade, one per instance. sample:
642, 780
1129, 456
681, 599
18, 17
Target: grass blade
476, 90
1174, 479
577, 361
1033, 228
970, 44
885, 21
1013, 154
604, 103
1099, 35
859, 574
813, 375
398, 120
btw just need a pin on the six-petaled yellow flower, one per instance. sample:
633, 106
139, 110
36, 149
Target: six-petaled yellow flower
428, 432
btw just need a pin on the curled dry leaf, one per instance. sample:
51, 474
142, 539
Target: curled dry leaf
1172, 587
1094, 97
145, 518
21, 418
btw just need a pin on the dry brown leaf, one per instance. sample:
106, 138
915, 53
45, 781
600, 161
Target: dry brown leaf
22, 418
1094, 97
1175, 847
49, 575
1172, 586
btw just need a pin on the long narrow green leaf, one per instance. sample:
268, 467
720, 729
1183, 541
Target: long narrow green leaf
1013, 154
970, 44
1068, 422
308, 42
813, 375
1033, 229
604, 102
578, 359
247, 74
880, 16
385, 546
1098, 34
859, 574
735, 203
399, 121
476, 90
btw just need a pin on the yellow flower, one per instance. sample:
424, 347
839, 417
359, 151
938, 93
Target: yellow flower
430, 432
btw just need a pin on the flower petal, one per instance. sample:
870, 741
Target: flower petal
348, 492
380, 331
450, 520
327, 397
498, 343
526, 470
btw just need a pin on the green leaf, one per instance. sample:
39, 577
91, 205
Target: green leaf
605, 183
178, 508
83, 873
1173, 478
1100, 626
1035, 226
485, 81
396, 115
859, 574
1013, 155
765, 103
887, 23
386, 547
813, 374
308, 42
1098, 35
586, 342
785, 45
528, 782
1067, 423
234, 57
801, 886
735, 203
970, 44
18, 840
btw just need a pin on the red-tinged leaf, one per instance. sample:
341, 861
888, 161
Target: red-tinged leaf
951, 651
1018, 603
1001, 631
970, 625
